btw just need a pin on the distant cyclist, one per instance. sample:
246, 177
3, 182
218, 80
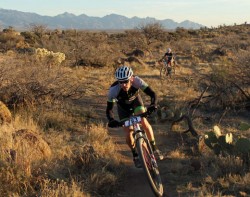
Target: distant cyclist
125, 92
168, 59
168, 56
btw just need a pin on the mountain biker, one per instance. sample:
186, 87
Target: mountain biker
125, 92
168, 56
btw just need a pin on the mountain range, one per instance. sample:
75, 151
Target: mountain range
23, 20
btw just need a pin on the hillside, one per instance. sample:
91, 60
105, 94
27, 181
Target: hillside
54, 138
22, 20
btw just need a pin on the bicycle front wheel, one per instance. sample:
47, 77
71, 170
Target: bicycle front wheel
174, 66
163, 72
150, 166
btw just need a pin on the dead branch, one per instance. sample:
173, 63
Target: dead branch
223, 114
191, 128
199, 100
241, 90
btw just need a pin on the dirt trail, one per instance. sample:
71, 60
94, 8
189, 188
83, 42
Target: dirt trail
134, 183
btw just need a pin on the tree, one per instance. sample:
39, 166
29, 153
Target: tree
38, 29
153, 31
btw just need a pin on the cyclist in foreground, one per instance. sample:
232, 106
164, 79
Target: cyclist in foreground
125, 92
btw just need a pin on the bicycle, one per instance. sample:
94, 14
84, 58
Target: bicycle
145, 153
167, 68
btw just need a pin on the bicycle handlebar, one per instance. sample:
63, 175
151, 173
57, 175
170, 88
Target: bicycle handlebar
145, 115
132, 119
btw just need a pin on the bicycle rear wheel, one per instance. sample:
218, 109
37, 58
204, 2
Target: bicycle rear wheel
150, 166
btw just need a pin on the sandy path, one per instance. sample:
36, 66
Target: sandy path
134, 183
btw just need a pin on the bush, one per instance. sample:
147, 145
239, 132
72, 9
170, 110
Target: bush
50, 56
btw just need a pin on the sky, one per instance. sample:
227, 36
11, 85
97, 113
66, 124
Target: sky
210, 13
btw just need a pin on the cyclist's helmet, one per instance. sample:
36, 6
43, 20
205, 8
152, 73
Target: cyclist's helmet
123, 73
169, 50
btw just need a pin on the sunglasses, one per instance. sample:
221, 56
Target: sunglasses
122, 82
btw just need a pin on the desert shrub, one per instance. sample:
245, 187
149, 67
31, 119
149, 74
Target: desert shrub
52, 57
30, 38
22, 148
203, 52
91, 163
32, 84
9, 40
153, 31
184, 46
228, 84
182, 32
33, 143
38, 29
133, 39
91, 49
233, 42
79, 163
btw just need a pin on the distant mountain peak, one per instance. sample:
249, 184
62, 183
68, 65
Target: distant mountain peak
66, 20
66, 14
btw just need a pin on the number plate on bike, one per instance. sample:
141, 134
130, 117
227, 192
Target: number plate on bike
132, 120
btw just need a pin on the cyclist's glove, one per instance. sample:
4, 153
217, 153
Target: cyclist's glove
114, 123
152, 108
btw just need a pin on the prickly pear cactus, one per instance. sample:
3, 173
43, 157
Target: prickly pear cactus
217, 131
244, 126
227, 145
210, 139
243, 145
229, 138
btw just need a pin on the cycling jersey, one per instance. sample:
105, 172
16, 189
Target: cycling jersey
168, 56
116, 94
127, 99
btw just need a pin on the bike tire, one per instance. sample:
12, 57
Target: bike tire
163, 71
173, 67
149, 165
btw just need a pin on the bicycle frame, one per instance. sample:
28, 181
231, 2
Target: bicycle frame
138, 132
146, 154
167, 68
134, 121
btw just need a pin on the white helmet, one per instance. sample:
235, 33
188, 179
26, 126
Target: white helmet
169, 50
123, 73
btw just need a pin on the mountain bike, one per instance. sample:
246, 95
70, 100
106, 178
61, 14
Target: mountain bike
145, 153
167, 69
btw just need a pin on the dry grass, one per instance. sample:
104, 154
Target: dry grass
67, 164
5, 114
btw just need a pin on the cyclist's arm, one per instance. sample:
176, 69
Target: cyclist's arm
112, 94
164, 56
152, 95
109, 110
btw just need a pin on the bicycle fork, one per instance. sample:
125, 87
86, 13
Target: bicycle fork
141, 134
